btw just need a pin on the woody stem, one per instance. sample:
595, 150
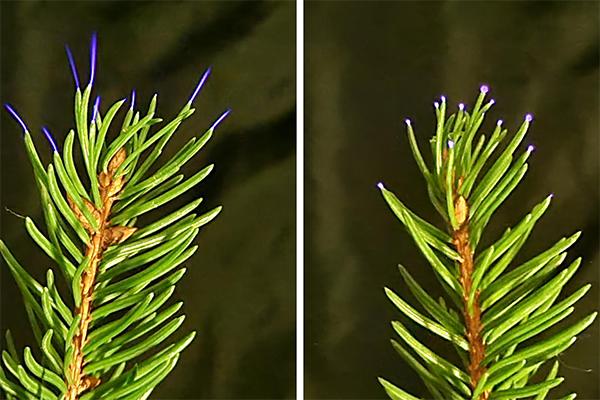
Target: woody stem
472, 314
100, 239
77, 382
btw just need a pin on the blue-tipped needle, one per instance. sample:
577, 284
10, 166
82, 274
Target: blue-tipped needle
132, 99
199, 85
72, 65
93, 49
220, 119
96, 108
50, 139
16, 116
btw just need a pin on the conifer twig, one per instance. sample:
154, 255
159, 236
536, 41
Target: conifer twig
503, 306
108, 336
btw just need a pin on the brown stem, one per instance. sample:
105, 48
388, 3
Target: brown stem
100, 239
472, 315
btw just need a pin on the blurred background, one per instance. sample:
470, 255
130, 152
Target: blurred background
369, 65
239, 290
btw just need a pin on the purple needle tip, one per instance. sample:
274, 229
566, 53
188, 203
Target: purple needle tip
443, 99
499, 122
200, 84
436, 104
484, 89
132, 99
50, 139
530, 148
450, 144
380, 185
529, 118
16, 116
72, 65
96, 108
407, 121
93, 51
220, 119
461, 106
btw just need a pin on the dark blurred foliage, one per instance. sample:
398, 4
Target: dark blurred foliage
369, 65
239, 291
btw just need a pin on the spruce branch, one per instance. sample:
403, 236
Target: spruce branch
108, 335
501, 318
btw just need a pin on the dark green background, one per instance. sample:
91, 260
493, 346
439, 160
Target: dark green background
239, 291
369, 65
